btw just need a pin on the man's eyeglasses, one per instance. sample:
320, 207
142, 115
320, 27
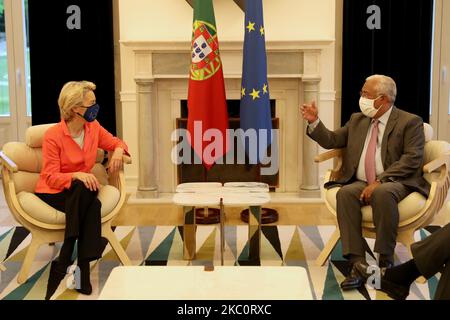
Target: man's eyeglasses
365, 94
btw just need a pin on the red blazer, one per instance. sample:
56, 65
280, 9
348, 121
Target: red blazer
62, 156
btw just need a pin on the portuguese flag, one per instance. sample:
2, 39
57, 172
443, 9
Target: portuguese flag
207, 107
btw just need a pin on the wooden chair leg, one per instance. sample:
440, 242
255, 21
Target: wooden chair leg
28, 261
115, 244
323, 256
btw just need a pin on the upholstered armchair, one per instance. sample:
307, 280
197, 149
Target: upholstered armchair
21, 165
415, 210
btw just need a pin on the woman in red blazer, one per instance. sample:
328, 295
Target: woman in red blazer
66, 183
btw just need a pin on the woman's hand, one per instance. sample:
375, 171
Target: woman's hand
115, 164
89, 180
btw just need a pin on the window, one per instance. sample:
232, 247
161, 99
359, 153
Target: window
441, 71
15, 106
4, 87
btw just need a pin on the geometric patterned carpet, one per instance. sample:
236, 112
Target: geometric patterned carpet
163, 245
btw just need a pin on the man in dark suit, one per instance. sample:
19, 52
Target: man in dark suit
430, 256
382, 164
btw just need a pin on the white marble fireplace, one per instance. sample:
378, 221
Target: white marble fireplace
161, 77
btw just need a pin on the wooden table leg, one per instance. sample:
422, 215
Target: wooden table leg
222, 231
189, 231
254, 233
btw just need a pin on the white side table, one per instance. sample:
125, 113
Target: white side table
192, 195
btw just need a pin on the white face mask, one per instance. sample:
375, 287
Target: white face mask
367, 106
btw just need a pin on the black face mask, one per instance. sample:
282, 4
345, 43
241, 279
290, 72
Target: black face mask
91, 113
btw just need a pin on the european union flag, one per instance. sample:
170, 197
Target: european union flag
255, 98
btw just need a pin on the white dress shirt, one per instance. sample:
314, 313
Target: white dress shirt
80, 139
313, 125
361, 172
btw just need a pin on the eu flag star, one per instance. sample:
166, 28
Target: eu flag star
255, 106
243, 92
251, 26
255, 94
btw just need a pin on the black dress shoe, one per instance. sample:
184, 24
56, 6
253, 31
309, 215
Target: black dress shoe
357, 277
392, 289
387, 264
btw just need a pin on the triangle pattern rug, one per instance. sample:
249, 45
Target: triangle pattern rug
163, 246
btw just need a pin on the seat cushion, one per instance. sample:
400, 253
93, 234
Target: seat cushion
42, 212
428, 131
26, 181
34, 135
100, 173
408, 207
26, 158
435, 149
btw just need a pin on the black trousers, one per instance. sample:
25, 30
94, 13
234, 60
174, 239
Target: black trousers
83, 218
432, 255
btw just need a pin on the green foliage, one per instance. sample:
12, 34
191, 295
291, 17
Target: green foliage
2, 16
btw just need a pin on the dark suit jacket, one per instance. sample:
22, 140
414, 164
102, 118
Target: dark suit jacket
402, 148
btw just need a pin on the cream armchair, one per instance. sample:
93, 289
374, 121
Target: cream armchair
415, 210
21, 165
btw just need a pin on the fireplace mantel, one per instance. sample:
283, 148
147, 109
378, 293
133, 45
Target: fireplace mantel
226, 45
161, 72
307, 54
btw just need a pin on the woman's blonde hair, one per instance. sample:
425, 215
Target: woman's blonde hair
72, 95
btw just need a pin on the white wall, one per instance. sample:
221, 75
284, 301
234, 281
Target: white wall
171, 20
